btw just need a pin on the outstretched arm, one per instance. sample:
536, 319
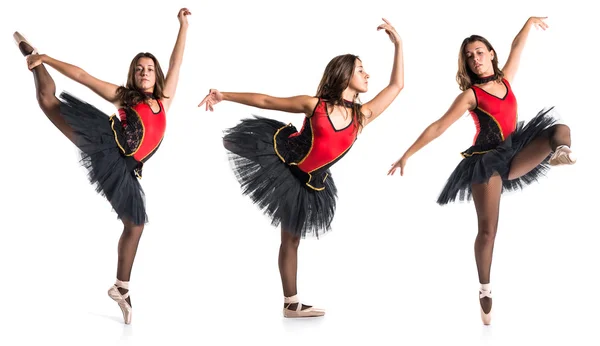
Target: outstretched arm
518, 44
385, 97
295, 104
172, 77
465, 101
107, 91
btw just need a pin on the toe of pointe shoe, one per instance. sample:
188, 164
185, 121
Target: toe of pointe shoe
18, 38
486, 318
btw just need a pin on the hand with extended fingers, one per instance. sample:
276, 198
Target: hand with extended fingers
389, 29
398, 164
538, 22
213, 97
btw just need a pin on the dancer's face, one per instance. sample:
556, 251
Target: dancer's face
360, 77
145, 75
479, 58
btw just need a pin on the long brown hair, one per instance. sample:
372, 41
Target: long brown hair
464, 76
335, 80
130, 95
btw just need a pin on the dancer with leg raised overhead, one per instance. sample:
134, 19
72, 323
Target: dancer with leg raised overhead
114, 149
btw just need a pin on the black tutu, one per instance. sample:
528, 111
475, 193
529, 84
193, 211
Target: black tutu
273, 185
480, 163
109, 169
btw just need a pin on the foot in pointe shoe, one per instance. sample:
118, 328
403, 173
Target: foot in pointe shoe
25, 47
485, 303
563, 155
115, 292
292, 308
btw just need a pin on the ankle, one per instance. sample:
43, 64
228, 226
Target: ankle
123, 286
485, 291
291, 300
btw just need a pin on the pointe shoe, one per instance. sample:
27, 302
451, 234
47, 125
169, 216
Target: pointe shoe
298, 312
20, 38
114, 293
562, 156
485, 291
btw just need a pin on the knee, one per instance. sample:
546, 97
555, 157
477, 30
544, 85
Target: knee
230, 146
47, 101
487, 231
133, 229
557, 129
290, 242
561, 128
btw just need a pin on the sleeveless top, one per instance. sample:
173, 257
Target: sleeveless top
139, 132
495, 119
310, 152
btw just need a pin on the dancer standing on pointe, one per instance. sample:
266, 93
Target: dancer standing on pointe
506, 155
114, 149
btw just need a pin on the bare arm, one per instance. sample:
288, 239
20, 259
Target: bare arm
295, 104
463, 102
386, 96
107, 91
518, 44
172, 77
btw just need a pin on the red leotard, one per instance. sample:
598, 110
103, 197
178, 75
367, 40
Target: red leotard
145, 136
316, 147
495, 118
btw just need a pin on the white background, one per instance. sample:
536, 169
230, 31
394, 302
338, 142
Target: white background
396, 269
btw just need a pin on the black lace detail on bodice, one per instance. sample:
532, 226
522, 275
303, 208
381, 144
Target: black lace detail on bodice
294, 149
489, 137
133, 129
489, 131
